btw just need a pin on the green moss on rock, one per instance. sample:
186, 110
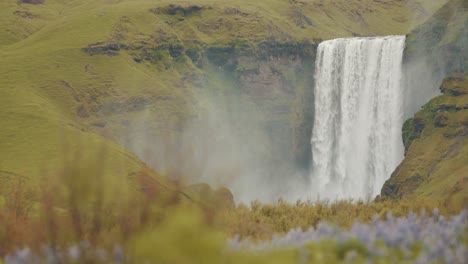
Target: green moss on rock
412, 129
435, 165
177, 10
441, 119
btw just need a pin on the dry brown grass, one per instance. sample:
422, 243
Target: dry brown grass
262, 221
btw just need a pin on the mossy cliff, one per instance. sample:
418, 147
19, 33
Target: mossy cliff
436, 142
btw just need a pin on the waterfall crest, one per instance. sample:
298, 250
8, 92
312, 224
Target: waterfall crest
356, 138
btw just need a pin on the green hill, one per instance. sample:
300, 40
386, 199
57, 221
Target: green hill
435, 167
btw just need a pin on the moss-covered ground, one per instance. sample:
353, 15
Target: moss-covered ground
435, 166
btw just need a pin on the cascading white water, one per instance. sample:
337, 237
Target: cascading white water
356, 138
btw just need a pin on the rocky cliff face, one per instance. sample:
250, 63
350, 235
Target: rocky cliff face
253, 103
276, 80
272, 78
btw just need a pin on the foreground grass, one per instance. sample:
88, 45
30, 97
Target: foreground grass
80, 218
262, 221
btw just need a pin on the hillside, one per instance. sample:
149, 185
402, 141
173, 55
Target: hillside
435, 166
91, 75
435, 50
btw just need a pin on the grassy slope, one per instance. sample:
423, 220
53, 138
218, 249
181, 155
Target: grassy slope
435, 166
49, 85
40, 123
442, 38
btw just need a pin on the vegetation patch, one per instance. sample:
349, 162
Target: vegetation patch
221, 55
176, 51
31, 2
304, 49
195, 54
24, 14
441, 119
455, 86
129, 105
174, 10
412, 129
234, 11
102, 48
441, 129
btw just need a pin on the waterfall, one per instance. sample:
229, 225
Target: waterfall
356, 138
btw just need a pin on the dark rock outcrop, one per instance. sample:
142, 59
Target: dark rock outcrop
412, 130
101, 48
441, 119
31, 2
177, 10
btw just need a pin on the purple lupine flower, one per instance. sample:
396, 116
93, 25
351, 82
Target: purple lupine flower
101, 254
441, 239
351, 256
50, 255
74, 252
118, 254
